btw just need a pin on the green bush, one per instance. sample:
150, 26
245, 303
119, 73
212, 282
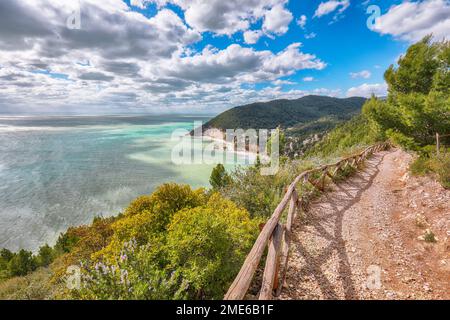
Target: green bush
440, 166
219, 177
45, 256
5, 256
21, 263
196, 256
420, 166
140, 204
150, 224
168, 198
346, 139
67, 240
135, 275
418, 103
208, 244
402, 140
444, 171
83, 242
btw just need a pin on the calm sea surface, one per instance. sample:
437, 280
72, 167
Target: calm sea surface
57, 172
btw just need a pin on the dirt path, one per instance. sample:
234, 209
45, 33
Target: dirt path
370, 225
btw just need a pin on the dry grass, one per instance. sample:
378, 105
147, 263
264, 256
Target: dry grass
34, 286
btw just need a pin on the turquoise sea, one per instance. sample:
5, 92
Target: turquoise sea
57, 172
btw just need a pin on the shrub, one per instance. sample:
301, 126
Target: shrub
402, 140
144, 228
197, 257
219, 177
21, 263
148, 225
171, 197
420, 166
208, 244
256, 193
344, 173
134, 276
433, 164
84, 241
429, 236
139, 205
45, 256
346, 139
167, 198
67, 240
5, 256
443, 171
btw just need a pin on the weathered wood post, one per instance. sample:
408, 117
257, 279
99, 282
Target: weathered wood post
438, 146
270, 275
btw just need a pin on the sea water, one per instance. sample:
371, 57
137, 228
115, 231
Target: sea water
57, 172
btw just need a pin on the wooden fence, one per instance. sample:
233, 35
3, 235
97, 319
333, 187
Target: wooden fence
277, 236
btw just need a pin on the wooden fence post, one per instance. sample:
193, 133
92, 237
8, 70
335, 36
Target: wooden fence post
271, 268
438, 146
292, 213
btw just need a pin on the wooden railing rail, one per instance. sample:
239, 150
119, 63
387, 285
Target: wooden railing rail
277, 236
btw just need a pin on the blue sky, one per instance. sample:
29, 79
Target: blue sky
346, 45
198, 56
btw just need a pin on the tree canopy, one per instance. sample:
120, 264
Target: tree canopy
418, 103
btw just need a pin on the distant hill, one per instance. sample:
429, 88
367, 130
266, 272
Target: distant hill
297, 114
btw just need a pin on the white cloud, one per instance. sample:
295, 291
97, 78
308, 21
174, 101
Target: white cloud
327, 92
325, 8
122, 60
301, 22
231, 16
252, 36
308, 79
277, 20
139, 3
311, 35
280, 82
411, 21
366, 90
365, 74
292, 58
240, 65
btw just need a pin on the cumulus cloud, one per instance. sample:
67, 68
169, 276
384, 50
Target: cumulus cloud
236, 63
252, 36
365, 74
308, 79
366, 90
231, 16
301, 21
139, 3
124, 60
411, 21
108, 28
280, 82
277, 20
328, 7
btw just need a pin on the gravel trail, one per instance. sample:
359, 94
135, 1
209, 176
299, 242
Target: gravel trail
363, 238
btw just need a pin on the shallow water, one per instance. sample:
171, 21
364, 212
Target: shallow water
57, 172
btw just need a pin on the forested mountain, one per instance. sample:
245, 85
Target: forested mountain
288, 113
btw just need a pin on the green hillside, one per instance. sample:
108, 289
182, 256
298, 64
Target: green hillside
288, 113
